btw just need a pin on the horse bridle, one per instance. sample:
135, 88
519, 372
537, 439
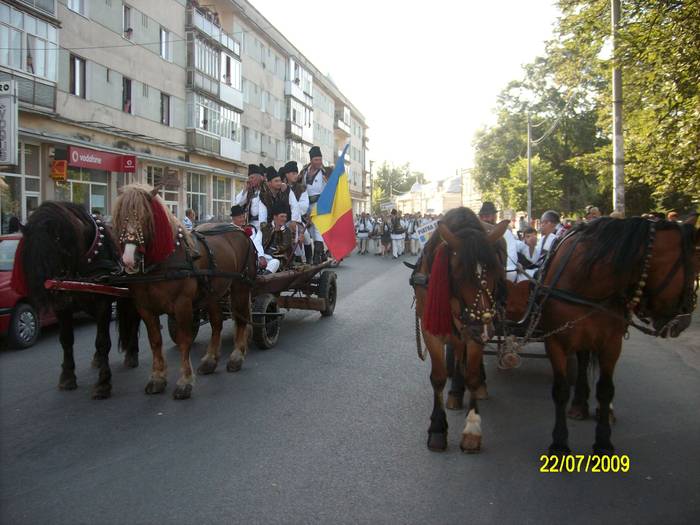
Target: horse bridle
477, 317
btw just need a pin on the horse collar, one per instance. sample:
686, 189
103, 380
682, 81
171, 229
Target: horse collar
97, 240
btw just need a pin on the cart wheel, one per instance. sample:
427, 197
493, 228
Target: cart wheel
328, 290
172, 327
267, 332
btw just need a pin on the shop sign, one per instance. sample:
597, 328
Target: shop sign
101, 160
8, 123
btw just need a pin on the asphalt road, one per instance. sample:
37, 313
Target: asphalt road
330, 427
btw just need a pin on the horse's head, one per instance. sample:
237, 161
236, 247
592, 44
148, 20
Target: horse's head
670, 281
144, 227
474, 273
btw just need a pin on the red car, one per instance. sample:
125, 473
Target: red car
19, 320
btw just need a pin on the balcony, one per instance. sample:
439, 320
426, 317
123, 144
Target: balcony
205, 24
339, 125
32, 93
294, 89
231, 96
196, 80
294, 130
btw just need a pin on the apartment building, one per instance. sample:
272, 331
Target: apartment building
167, 92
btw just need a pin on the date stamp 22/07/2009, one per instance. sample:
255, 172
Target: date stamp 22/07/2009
552, 464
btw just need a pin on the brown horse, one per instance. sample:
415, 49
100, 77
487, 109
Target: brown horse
601, 274
175, 273
458, 301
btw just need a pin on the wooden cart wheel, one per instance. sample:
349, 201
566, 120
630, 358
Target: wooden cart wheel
328, 290
266, 330
172, 327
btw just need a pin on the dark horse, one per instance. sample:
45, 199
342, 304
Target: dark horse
457, 282
176, 273
601, 275
63, 241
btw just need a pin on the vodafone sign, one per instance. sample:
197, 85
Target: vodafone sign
100, 160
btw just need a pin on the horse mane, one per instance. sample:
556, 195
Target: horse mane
475, 248
619, 241
55, 240
136, 201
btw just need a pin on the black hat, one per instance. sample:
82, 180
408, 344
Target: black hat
271, 173
394, 212
488, 208
237, 210
254, 169
291, 166
279, 207
283, 172
315, 151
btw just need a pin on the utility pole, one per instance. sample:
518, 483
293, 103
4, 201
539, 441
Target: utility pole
529, 171
618, 144
371, 187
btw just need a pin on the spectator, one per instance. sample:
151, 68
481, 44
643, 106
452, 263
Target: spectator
188, 221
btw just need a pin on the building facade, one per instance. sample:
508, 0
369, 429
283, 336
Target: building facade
171, 93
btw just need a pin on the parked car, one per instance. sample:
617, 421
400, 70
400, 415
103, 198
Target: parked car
19, 320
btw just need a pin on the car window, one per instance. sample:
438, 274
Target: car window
8, 247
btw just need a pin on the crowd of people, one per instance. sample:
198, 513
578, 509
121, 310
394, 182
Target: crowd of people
390, 234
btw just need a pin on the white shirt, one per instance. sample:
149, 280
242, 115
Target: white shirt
544, 245
257, 208
187, 223
299, 207
511, 255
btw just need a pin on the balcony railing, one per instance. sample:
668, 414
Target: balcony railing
31, 92
341, 126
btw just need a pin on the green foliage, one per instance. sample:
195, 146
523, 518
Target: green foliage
658, 49
546, 184
393, 180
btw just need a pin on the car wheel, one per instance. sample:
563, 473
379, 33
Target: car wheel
24, 326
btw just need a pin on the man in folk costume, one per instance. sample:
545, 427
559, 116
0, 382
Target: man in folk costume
315, 179
398, 233
488, 214
552, 230
363, 227
249, 198
274, 242
274, 191
412, 233
299, 207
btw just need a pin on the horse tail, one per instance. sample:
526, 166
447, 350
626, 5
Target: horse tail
128, 322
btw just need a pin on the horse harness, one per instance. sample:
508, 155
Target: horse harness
634, 303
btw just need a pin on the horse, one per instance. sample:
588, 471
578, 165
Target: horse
174, 272
599, 276
61, 240
458, 302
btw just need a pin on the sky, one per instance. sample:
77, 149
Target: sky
425, 75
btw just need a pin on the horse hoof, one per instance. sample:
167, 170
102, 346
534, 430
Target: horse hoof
471, 443
559, 450
101, 392
207, 367
578, 412
235, 362
454, 402
156, 386
182, 392
131, 361
437, 441
482, 393
67, 383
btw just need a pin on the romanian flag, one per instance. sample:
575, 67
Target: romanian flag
333, 212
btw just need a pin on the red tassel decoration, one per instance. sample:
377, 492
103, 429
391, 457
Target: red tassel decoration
248, 231
437, 316
18, 283
163, 242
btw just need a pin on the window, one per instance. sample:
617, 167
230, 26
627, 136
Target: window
231, 71
165, 109
221, 197
76, 5
197, 194
144, 89
27, 43
77, 76
127, 106
207, 59
165, 47
169, 187
126, 22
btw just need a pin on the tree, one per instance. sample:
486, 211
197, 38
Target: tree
546, 183
393, 180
